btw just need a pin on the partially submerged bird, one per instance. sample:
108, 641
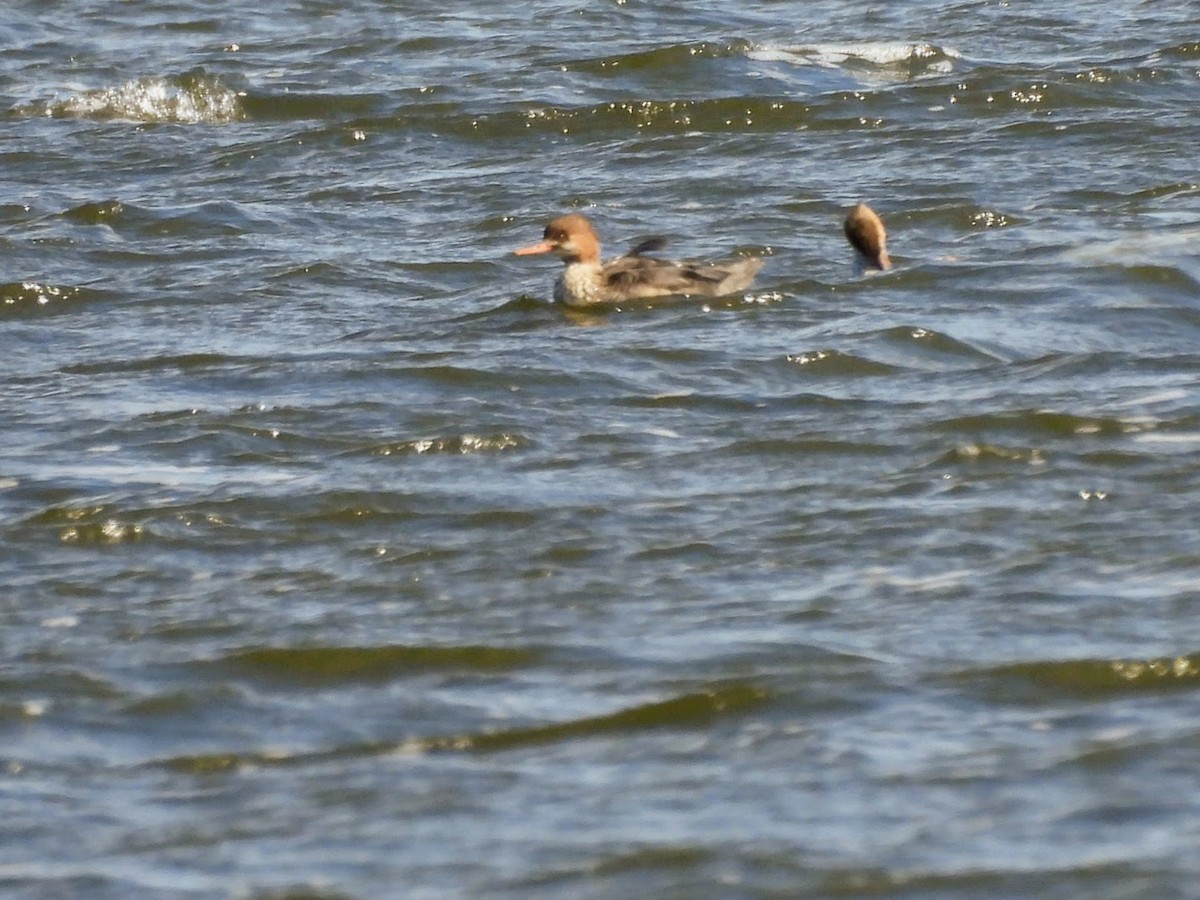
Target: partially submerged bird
586, 280
866, 234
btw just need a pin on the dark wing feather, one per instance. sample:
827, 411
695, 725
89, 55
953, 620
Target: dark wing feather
629, 270
643, 277
650, 244
707, 275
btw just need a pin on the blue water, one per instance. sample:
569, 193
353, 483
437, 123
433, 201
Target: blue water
338, 561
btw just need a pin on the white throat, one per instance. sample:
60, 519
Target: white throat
580, 284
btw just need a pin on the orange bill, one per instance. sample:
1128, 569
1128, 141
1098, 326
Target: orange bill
543, 247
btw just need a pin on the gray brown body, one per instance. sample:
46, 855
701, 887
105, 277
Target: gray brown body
586, 281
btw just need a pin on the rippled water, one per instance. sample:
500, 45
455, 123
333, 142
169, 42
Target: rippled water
339, 562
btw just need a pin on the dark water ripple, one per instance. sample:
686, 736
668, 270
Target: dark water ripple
339, 562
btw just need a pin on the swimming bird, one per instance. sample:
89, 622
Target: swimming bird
866, 234
587, 281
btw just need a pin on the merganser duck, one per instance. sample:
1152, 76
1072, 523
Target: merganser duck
866, 234
587, 281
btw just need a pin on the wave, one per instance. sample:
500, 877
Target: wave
977, 452
193, 98
834, 362
1099, 679
32, 297
694, 710
897, 56
180, 361
89, 525
669, 60
219, 218
329, 665
457, 445
1042, 422
924, 346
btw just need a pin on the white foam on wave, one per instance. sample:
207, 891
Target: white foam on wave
878, 53
1171, 394
917, 584
1139, 248
186, 101
166, 475
31, 292
1183, 437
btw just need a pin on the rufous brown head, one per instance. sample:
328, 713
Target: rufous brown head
571, 237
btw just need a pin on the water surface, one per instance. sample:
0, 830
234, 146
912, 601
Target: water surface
339, 562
